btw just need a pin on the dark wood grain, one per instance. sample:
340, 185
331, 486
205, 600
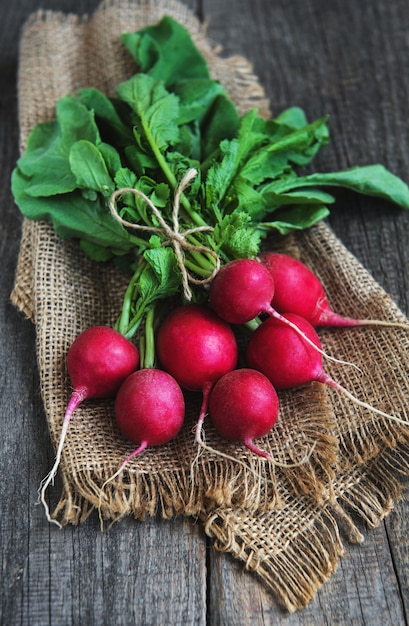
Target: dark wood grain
344, 58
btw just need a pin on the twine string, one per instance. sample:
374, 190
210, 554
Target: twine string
174, 236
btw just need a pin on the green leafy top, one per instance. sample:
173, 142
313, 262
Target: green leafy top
168, 118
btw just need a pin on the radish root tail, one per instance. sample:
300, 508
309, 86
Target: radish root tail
365, 405
261, 454
49, 479
384, 323
76, 398
203, 411
137, 451
284, 320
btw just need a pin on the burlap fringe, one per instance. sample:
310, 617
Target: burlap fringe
295, 564
370, 492
295, 561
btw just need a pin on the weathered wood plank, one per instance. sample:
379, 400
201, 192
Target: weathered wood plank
363, 590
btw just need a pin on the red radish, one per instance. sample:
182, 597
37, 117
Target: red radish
149, 408
282, 356
298, 290
196, 347
243, 406
288, 361
241, 290
149, 411
244, 288
98, 362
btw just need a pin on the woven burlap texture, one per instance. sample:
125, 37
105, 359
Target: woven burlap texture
274, 519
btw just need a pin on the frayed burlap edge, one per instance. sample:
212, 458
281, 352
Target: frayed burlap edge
294, 563
294, 559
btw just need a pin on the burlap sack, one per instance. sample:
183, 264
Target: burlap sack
275, 519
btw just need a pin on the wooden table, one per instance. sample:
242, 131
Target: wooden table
342, 57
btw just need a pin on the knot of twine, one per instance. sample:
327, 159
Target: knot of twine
174, 236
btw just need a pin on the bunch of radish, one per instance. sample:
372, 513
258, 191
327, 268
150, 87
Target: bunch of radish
277, 297
149, 404
285, 347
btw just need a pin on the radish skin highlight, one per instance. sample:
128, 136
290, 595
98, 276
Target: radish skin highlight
288, 362
98, 361
298, 290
